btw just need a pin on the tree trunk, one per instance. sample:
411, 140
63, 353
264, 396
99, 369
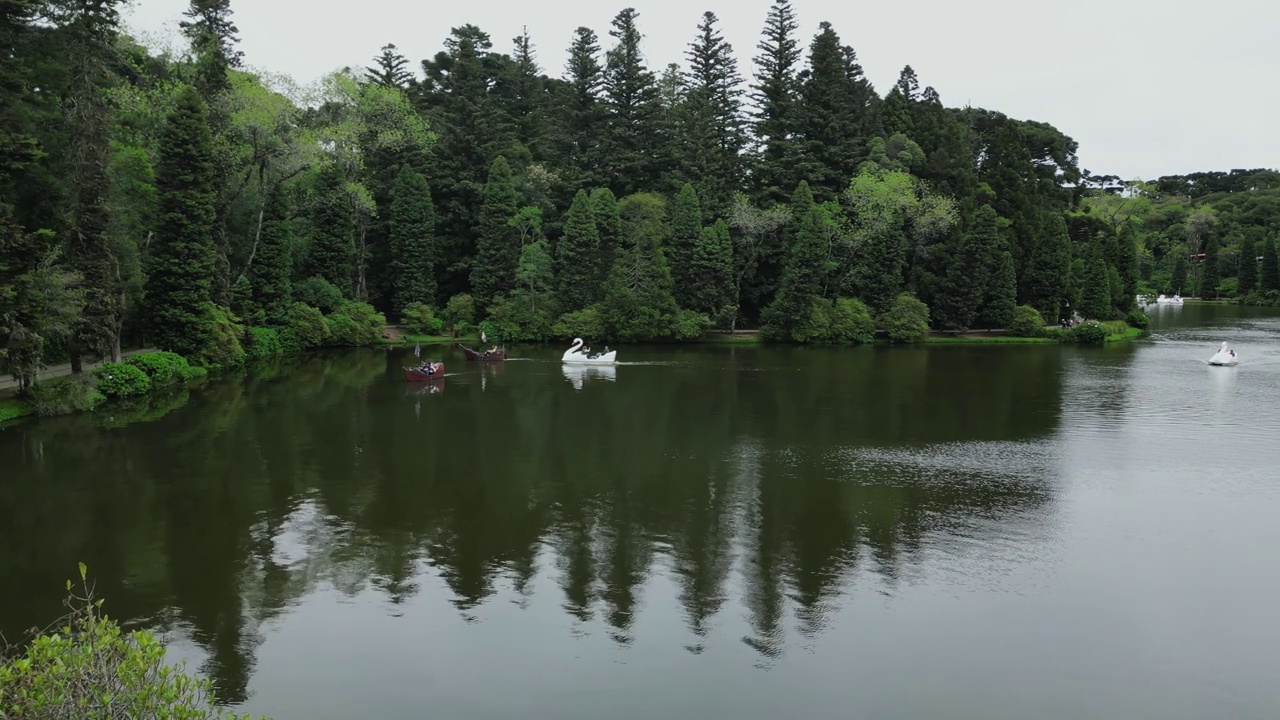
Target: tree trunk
116, 355
73, 352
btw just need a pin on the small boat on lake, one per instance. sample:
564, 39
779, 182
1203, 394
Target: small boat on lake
575, 355
1164, 300
490, 355
424, 372
1225, 357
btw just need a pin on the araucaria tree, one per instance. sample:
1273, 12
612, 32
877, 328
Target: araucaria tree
181, 261
576, 270
498, 244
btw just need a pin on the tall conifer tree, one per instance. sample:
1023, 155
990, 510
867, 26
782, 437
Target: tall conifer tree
775, 95
413, 241
576, 257
497, 246
632, 101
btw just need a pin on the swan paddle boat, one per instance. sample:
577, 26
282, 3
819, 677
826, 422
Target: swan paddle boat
1164, 300
1225, 357
575, 355
423, 372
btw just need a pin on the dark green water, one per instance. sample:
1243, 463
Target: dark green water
717, 532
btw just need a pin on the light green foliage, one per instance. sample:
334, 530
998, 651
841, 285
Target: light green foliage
459, 314
64, 395
164, 368
88, 668
261, 343
306, 329
121, 380
907, 320
354, 324
421, 319
584, 323
1026, 322
223, 348
1090, 332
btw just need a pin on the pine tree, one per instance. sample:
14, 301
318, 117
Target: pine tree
1001, 295
497, 247
576, 270
1269, 273
522, 92
1210, 277
686, 230
1095, 294
631, 99
579, 137
270, 275
834, 114
1050, 267
965, 285
712, 266
413, 241
1126, 265
715, 128
638, 301
181, 260
776, 98
390, 69
1248, 276
213, 38
1178, 271
898, 104
605, 212
802, 271
333, 248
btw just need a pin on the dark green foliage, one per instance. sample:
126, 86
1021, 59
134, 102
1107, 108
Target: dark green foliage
1026, 322
775, 94
1210, 277
1048, 272
961, 293
121, 380
1248, 275
835, 115
213, 38
604, 209
1002, 293
710, 273
413, 241
1178, 271
318, 293
1125, 262
577, 270
579, 139
1138, 319
714, 128
907, 320
1090, 332
64, 395
585, 323
223, 348
271, 274
632, 103
1269, 273
333, 246
181, 260
638, 302
686, 228
1095, 292
390, 69
306, 329
803, 271
498, 244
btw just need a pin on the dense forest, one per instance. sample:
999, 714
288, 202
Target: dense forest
184, 202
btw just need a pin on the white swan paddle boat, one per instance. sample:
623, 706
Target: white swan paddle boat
1164, 300
1225, 357
575, 355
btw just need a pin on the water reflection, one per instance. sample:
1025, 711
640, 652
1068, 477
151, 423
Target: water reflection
759, 480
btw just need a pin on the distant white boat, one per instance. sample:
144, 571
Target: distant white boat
1164, 300
1225, 357
575, 355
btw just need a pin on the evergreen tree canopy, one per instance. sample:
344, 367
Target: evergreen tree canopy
579, 275
390, 69
413, 241
498, 246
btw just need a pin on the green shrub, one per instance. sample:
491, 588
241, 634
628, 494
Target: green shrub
163, 368
318, 293
689, 325
851, 322
224, 349
1027, 322
306, 329
261, 342
355, 324
91, 669
65, 395
421, 319
121, 380
459, 314
1090, 332
907, 320
1137, 318
585, 323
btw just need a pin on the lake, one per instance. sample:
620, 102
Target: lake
738, 532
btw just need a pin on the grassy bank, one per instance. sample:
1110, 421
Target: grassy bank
14, 408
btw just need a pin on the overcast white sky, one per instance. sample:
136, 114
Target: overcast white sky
1146, 90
